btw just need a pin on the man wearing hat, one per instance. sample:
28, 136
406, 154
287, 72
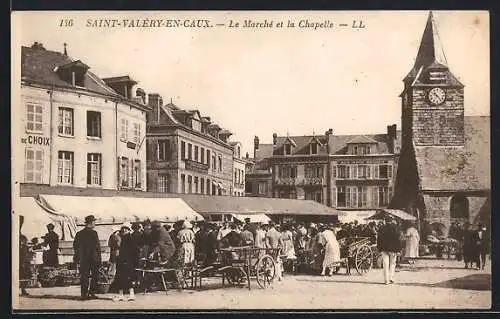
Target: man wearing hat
51, 242
88, 255
389, 244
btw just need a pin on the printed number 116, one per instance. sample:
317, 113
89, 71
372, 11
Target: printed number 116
66, 23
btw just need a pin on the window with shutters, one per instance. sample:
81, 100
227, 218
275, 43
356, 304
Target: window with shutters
220, 163
202, 185
214, 164
34, 118
196, 158
383, 196
196, 185
124, 172
208, 186
33, 171
137, 174
94, 169
65, 124
93, 124
202, 153
124, 131
208, 158
65, 166
136, 133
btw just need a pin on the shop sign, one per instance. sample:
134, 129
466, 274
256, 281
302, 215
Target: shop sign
36, 140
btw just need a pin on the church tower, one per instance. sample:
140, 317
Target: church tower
433, 98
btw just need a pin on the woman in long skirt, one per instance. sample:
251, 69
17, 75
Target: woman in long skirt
332, 251
412, 240
186, 239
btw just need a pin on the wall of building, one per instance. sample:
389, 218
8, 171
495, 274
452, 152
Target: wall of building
238, 177
51, 141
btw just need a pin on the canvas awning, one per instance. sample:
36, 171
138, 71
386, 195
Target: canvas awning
254, 218
400, 214
107, 210
360, 216
36, 218
167, 210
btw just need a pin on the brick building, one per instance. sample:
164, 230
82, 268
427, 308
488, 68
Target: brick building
187, 152
68, 126
258, 171
444, 169
353, 173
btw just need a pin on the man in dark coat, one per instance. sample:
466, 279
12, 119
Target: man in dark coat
51, 240
88, 255
233, 239
162, 243
389, 244
481, 246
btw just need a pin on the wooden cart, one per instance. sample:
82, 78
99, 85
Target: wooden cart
241, 264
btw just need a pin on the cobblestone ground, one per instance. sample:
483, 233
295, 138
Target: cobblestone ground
433, 284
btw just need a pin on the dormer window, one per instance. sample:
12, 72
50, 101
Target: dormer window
288, 149
73, 73
314, 148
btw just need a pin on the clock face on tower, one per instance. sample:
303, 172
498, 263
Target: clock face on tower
436, 96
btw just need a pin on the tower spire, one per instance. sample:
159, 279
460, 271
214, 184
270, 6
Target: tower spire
65, 50
430, 50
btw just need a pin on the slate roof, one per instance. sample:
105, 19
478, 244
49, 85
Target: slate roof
338, 143
458, 168
264, 151
38, 65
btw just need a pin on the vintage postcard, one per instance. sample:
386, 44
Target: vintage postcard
170, 160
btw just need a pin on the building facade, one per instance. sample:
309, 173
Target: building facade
69, 119
258, 171
352, 173
239, 166
444, 171
187, 153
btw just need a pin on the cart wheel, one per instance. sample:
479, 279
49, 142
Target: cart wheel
363, 260
235, 276
265, 271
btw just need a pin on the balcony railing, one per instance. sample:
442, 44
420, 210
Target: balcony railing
312, 181
285, 181
195, 166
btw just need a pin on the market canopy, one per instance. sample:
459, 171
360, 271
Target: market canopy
107, 210
114, 210
400, 214
254, 205
254, 218
36, 218
168, 210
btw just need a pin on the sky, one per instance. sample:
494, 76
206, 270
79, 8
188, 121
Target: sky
256, 82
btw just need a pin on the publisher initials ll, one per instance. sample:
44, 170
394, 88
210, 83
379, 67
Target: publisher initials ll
358, 24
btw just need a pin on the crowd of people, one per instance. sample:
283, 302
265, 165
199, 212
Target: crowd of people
176, 245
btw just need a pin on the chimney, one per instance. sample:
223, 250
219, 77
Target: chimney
246, 155
275, 139
155, 102
329, 138
142, 94
391, 137
65, 50
255, 146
